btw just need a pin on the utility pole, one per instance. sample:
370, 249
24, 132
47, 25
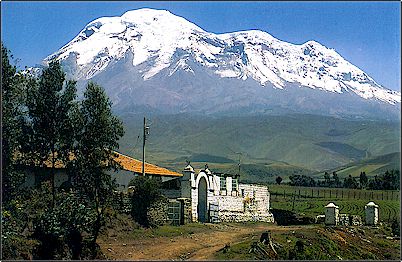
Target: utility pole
144, 138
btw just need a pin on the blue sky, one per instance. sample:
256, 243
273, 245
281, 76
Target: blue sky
365, 33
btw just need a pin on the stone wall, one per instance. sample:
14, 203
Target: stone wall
229, 203
158, 212
187, 213
253, 206
259, 195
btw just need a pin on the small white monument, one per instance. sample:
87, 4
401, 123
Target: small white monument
371, 210
331, 214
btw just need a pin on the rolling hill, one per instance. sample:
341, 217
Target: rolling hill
309, 143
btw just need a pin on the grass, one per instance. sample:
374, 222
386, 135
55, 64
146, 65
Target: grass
319, 243
169, 231
350, 201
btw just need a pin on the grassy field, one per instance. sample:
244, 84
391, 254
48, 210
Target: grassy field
311, 201
319, 243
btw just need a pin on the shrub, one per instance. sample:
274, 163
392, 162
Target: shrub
146, 192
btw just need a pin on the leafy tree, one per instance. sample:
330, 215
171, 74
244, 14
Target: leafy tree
390, 180
59, 229
363, 179
302, 180
49, 107
278, 180
98, 137
327, 178
350, 182
12, 122
146, 192
337, 182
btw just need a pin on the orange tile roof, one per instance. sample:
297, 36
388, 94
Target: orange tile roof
134, 165
127, 163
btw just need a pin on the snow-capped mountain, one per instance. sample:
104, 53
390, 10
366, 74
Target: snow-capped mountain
151, 58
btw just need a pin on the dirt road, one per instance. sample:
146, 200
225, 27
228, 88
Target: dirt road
197, 246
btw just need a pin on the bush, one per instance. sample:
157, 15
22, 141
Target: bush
146, 192
396, 227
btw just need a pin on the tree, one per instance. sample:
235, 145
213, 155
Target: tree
337, 182
146, 192
363, 179
302, 180
327, 178
12, 121
390, 180
278, 180
94, 156
49, 108
350, 182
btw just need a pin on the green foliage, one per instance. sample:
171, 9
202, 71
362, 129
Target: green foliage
50, 132
350, 182
12, 98
42, 121
363, 179
390, 180
146, 192
396, 227
301, 180
97, 138
60, 229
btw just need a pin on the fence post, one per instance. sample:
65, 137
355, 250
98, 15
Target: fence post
342, 193
382, 197
354, 194
283, 193
312, 193
330, 194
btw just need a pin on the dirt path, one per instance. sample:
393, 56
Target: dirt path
197, 246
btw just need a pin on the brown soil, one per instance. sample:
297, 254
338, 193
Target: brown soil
197, 246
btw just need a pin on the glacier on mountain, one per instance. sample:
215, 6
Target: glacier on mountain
154, 37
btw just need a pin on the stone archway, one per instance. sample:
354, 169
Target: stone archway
202, 207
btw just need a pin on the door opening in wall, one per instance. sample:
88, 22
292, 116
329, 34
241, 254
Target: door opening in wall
202, 201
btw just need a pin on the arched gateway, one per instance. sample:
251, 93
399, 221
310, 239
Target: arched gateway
202, 208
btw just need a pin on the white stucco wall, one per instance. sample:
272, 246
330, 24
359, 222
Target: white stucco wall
232, 205
331, 216
371, 213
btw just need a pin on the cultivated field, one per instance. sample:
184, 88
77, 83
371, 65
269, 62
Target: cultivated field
311, 200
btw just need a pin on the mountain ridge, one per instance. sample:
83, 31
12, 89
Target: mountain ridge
158, 51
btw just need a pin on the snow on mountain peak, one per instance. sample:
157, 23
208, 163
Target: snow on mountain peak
155, 36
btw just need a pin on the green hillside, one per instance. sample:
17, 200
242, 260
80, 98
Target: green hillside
372, 166
269, 144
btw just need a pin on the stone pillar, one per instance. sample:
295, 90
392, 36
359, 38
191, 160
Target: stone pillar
331, 214
186, 210
371, 210
187, 181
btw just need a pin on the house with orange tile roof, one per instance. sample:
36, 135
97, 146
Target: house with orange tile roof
130, 167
